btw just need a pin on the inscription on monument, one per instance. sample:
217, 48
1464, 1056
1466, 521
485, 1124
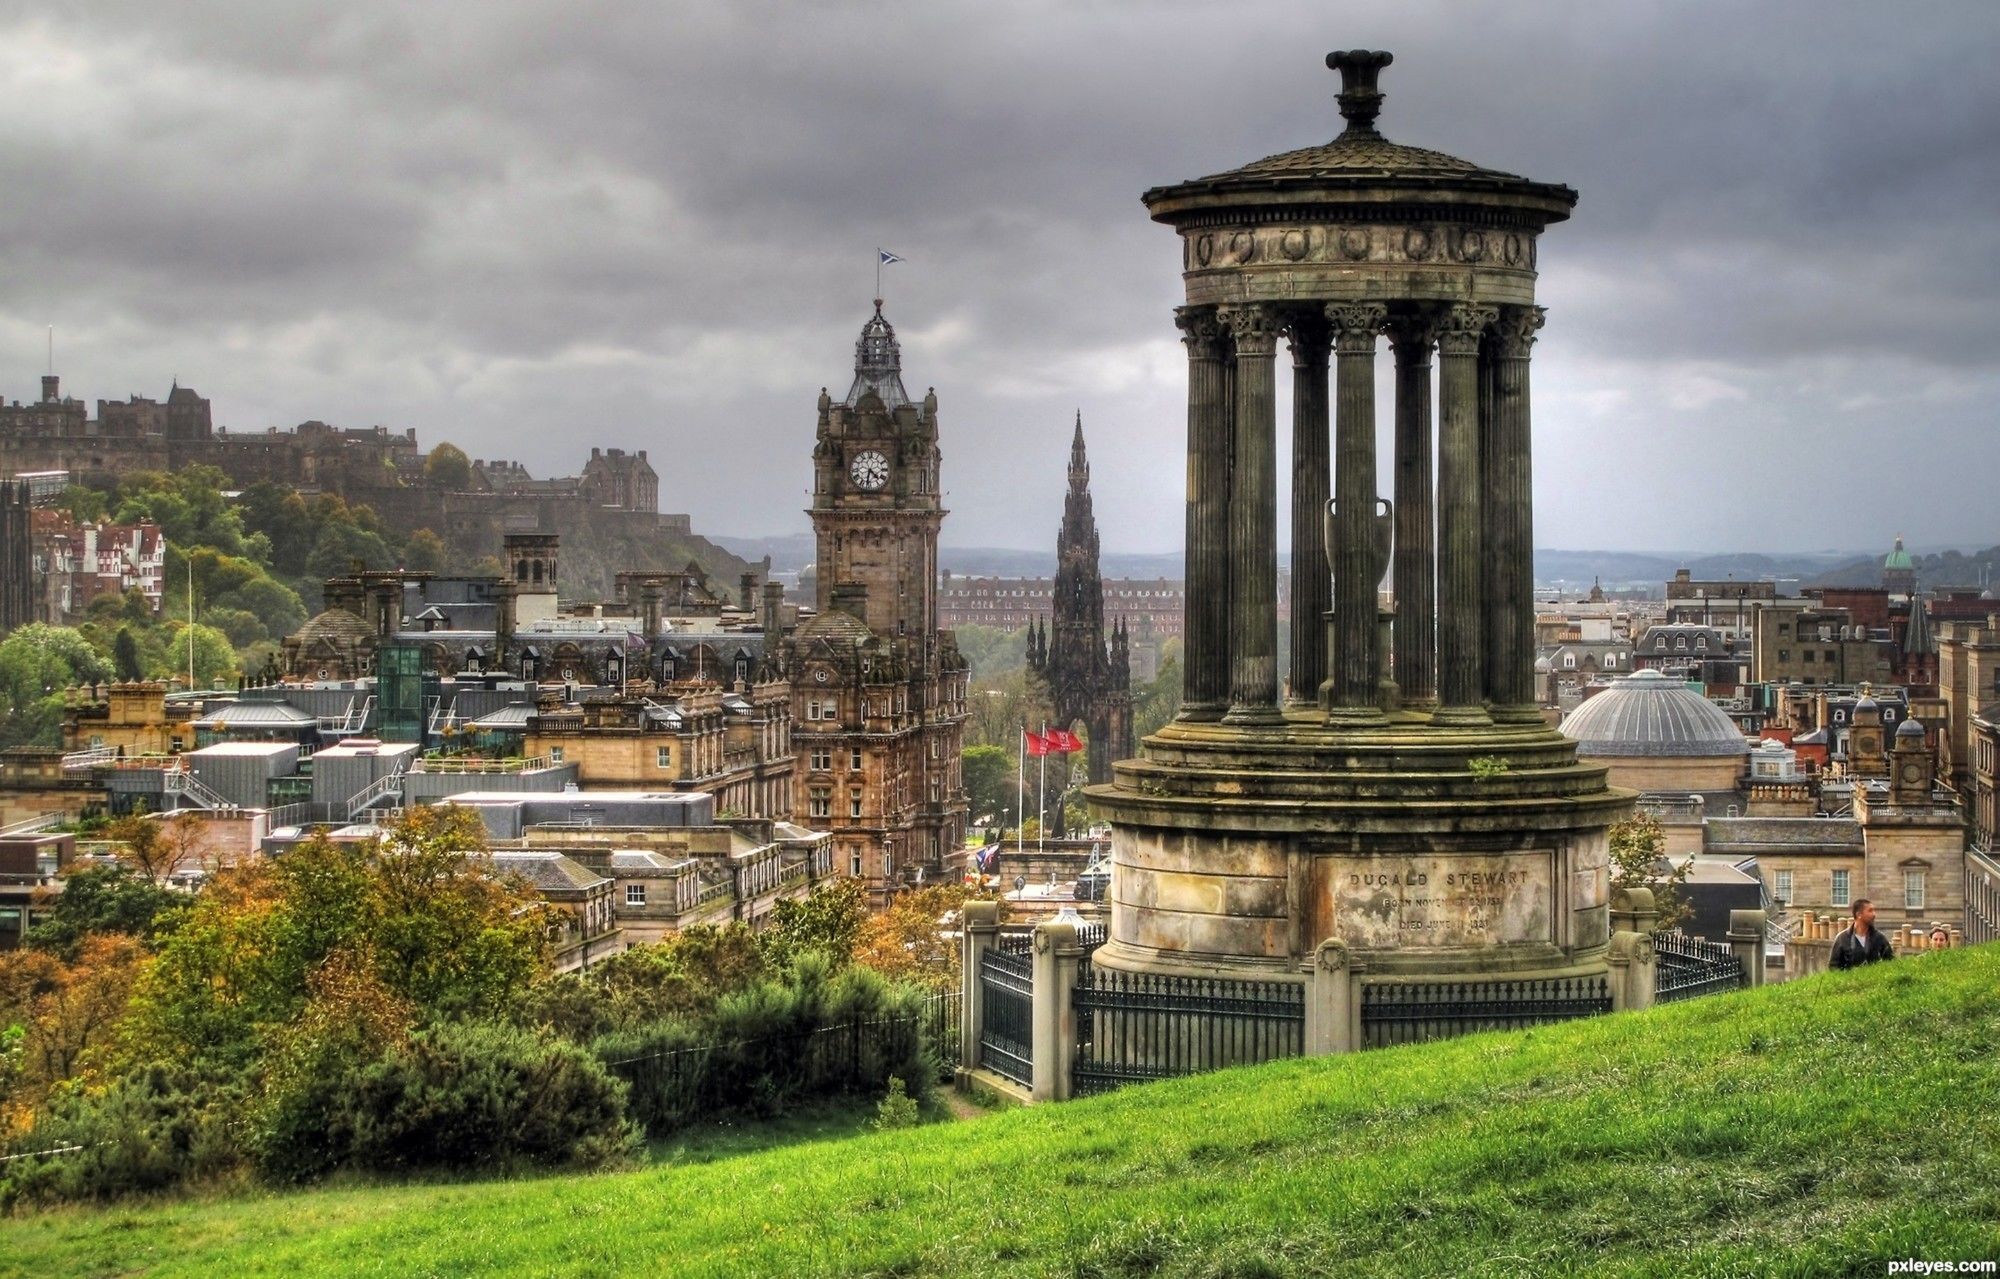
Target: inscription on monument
1430, 902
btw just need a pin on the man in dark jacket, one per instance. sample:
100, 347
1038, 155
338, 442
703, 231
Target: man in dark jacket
1860, 942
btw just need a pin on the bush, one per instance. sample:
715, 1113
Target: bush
806, 1035
480, 1095
159, 1127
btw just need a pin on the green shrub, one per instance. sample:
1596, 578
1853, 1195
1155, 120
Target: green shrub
808, 1034
159, 1127
480, 1095
897, 1110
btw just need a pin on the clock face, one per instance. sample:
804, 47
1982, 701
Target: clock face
870, 470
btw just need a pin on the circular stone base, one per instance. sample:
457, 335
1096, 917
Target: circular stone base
1424, 849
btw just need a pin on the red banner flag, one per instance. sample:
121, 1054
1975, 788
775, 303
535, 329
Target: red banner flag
1062, 741
1039, 745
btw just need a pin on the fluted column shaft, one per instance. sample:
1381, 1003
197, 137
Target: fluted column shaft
1510, 606
1311, 487
1491, 538
1461, 682
1357, 567
1415, 573
1206, 652
1253, 519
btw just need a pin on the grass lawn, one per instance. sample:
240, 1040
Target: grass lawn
1820, 1128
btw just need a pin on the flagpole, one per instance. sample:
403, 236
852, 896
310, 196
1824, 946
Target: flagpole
1042, 798
1021, 794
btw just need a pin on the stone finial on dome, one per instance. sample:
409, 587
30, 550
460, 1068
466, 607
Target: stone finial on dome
1360, 101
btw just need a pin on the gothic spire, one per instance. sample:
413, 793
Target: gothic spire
1079, 464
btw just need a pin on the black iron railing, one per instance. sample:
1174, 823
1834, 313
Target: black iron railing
1688, 967
1007, 1007
1412, 1012
1132, 1027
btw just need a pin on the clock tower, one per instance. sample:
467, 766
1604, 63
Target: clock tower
876, 508
878, 692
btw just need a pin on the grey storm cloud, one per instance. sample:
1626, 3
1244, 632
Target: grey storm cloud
531, 228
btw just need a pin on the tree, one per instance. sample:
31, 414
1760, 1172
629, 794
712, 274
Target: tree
829, 921
424, 552
125, 660
97, 900
989, 782
448, 467
1639, 860
37, 662
68, 1012
214, 656
908, 941
436, 926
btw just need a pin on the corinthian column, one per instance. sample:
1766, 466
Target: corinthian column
1253, 520
1510, 607
1461, 683
1206, 662
1311, 484
1357, 567
1415, 574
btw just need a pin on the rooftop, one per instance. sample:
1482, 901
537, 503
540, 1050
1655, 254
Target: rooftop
1650, 715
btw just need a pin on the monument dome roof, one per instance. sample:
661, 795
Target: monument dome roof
1647, 714
1909, 728
835, 624
1898, 558
334, 623
1362, 160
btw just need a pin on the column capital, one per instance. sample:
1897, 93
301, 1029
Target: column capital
1310, 337
1255, 326
1356, 325
1412, 334
1462, 325
1202, 331
1514, 331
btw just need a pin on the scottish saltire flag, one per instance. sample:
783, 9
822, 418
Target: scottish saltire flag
886, 257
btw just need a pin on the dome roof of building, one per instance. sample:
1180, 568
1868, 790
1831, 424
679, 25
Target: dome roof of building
1647, 714
1362, 161
336, 624
1898, 558
835, 625
1909, 728
1867, 703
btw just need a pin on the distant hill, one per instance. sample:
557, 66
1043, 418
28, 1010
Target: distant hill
1625, 569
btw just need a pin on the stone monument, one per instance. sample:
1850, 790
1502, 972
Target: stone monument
1399, 797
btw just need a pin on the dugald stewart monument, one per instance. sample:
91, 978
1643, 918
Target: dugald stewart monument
1394, 799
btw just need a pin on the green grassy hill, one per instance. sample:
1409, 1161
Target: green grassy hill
1820, 1128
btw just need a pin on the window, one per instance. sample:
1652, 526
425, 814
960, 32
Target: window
555, 754
1840, 888
1782, 890
854, 801
819, 803
854, 758
822, 760
1913, 890
635, 894
854, 863
663, 757
1784, 654
1810, 656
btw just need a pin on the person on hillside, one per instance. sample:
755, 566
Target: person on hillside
1940, 938
1860, 942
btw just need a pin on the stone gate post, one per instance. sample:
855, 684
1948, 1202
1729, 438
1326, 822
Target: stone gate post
1746, 938
981, 933
1057, 957
1634, 967
1330, 1000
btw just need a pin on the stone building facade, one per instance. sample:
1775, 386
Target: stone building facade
878, 689
1088, 672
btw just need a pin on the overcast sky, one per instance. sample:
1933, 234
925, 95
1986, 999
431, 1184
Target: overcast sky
531, 228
